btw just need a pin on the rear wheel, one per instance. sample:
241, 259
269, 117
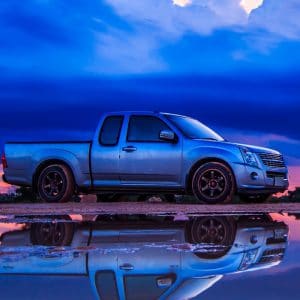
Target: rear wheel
55, 184
213, 183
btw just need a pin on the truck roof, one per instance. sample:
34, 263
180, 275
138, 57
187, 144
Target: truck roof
140, 112
126, 112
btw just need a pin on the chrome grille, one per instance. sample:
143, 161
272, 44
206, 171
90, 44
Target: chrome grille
272, 160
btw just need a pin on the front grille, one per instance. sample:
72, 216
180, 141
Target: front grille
273, 255
272, 160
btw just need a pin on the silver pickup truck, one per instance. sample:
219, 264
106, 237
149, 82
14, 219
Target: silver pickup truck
147, 152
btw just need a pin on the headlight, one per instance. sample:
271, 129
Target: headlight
249, 157
248, 259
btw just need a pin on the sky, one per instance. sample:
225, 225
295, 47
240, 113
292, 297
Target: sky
233, 64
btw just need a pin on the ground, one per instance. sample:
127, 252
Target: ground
92, 208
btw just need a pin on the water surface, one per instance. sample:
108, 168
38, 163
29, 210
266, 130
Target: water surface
150, 257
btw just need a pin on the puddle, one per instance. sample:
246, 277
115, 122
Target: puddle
149, 257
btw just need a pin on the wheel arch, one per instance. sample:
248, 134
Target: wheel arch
42, 165
201, 162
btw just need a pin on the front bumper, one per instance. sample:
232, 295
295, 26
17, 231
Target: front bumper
275, 184
261, 179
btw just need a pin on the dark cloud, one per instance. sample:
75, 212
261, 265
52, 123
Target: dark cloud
269, 105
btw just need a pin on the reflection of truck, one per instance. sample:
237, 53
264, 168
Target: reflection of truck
160, 258
146, 151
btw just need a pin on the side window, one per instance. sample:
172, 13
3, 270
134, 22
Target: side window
145, 129
110, 131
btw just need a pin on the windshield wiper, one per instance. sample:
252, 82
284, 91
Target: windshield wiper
209, 139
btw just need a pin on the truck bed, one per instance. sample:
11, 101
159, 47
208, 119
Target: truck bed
23, 158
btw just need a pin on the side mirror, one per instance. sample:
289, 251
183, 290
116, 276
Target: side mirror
167, 135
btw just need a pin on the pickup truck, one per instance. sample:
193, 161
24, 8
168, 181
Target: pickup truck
147, 152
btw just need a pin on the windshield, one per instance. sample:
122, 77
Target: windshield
193, 128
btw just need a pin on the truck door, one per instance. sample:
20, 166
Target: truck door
145, 159
105, 152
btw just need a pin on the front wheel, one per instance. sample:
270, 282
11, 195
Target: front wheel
55, 184
213, 183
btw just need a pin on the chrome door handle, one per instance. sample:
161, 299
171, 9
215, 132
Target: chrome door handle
126, 267
129, 149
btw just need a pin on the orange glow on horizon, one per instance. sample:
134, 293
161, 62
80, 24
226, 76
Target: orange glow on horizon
293, 224
4, 187
6, 227
294, 177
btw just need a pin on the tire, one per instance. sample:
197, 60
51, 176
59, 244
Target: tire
52, 234
213, 183
55, 184
217, 232
259, 198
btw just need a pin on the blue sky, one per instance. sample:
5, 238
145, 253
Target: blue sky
234, 64
117, 37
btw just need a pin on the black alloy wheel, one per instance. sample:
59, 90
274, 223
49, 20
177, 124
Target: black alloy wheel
55, 184
213, 182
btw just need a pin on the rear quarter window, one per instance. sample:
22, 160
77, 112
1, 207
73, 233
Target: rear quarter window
110, 131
